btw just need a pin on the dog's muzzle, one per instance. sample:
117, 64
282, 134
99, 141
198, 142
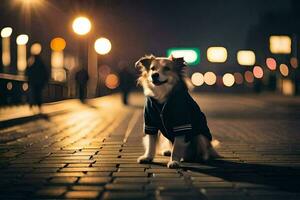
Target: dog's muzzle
156, 81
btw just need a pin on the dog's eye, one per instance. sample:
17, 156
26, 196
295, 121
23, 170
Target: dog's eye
166, 69
153, 68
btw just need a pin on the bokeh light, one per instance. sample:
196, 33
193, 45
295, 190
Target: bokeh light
9, 85
294, 62
197, 79
246, 57
6, 32
228, 79
81, 25
102, 46
271, 63
103, 71
258, 72
112, 81
190, 55
210, 78
238, 77
217, 54
284, 70
25, 86
249, 77
22, 39
58, 44
280, 44
36, 49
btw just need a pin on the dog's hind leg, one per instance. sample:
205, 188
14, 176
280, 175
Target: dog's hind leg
149, 142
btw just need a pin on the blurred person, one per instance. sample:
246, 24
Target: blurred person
127, 80
38, 76
82, 78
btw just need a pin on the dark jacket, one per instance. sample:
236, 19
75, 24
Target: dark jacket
179, 115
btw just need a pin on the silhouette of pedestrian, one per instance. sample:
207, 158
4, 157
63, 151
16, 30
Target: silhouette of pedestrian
82, 78
38, 76
127, 81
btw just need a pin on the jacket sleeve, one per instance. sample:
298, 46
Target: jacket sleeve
150, 127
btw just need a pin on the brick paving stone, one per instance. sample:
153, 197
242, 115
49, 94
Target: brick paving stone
125, 187
94, 180
82, 194
130, 174
63, 180
124, 195
128, 180
51, 191
87, 188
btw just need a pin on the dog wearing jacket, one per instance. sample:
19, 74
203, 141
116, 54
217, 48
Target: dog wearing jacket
171, 110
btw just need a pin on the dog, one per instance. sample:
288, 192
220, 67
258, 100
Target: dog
171, 110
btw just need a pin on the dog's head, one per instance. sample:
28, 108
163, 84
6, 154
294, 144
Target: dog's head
161, 70
159, 75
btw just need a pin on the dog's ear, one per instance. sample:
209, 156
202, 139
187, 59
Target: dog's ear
144, 62
179, 62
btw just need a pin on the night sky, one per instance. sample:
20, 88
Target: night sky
136, 27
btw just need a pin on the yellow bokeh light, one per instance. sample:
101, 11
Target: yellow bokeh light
189, 56
217, 54
284, 70
246, 57
197, 79
102, 46
210, 78
81, 25
112, 81
36, 49
228, 79
22, 39
281, 44
258, 72
58, 44
6, 32
288, 88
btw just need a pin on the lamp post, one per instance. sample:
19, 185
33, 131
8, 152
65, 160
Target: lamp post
5, 34
82, 26
102, 46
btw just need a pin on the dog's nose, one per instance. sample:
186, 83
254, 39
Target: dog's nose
155, 76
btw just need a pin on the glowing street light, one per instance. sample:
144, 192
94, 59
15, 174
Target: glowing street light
102, 46
5, 34
246, 57
190, 55
197, 79
81, 25
281, 44
21, 52
217, 54
57, 46
36, 49
228, 80
210, 78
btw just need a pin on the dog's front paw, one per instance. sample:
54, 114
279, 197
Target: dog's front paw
144, 159
173, 164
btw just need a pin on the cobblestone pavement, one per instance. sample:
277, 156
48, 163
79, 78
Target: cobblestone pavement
90, 151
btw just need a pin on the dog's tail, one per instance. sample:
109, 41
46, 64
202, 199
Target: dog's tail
214, 145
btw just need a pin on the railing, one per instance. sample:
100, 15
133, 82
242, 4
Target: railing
14, 90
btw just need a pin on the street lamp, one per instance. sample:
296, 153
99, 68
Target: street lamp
21, 52
102, 46
280, 44
57, 59
81, 25
217, 54
5, 34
